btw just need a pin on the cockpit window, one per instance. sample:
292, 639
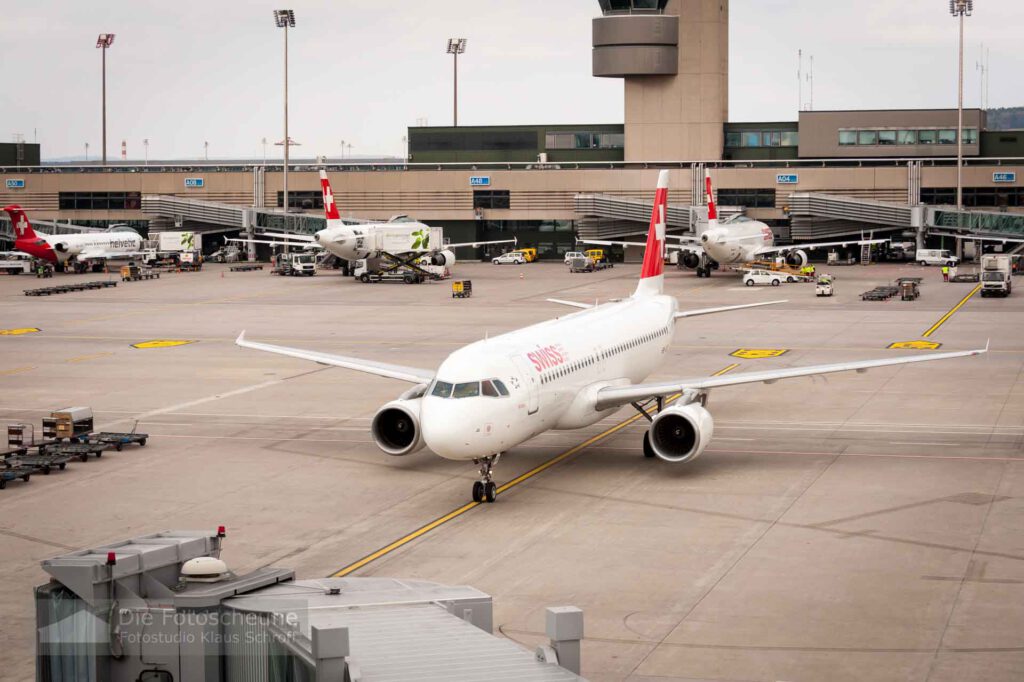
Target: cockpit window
468, 390
442, 389
500, 386
487, 388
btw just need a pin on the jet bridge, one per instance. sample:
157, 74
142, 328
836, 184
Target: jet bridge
220, 217
605, 216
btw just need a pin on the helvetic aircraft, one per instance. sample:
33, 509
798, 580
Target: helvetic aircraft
735, 241
60, 249
401, 240
566, 373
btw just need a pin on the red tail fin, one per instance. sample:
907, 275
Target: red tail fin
330, 208
709, 191
22, 227
652, 271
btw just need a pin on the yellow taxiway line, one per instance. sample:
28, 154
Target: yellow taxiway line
455, 513
944, 318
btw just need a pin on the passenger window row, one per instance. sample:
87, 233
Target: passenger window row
603, 355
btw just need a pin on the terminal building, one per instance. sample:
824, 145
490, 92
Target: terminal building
827, 174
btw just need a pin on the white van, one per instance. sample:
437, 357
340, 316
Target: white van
935, 257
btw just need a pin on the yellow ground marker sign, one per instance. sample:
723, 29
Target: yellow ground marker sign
758, 353
19, 332
916, 345
162, 343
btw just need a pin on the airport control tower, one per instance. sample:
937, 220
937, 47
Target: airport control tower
674, 58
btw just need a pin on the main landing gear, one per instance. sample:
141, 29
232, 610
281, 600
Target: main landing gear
485, 490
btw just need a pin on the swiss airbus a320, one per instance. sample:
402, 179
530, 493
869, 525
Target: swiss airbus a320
567, 373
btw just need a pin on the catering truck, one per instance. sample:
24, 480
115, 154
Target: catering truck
995, 275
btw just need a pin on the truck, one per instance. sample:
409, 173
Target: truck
180, 241
14, 263
368, 270
293, 264
995, 275
935, 257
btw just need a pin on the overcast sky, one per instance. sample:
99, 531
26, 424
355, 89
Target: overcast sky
183, 72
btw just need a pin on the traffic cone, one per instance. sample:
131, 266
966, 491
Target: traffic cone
521, 276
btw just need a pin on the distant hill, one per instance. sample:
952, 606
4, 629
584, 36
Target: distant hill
1005, 119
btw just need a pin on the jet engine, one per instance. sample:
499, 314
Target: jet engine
796, 259
680, 434
689, 259
445, 258
61, 246
396, 427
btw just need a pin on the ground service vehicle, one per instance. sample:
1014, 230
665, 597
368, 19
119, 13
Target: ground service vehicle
14, 263
762, 277
571, 372
573, 254
596, 255
294, 264
515, 257
824, 286
935, 257
996, 279
529, 254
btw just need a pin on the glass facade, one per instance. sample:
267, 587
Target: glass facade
750, 198
871, 137
974, 197
302, 199
632, 6
100, 201
584, 140
491, 198
762, 138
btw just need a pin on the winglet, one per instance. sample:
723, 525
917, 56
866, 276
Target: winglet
241, 339
987, 342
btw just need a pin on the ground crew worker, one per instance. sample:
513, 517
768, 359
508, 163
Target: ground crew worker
945, 273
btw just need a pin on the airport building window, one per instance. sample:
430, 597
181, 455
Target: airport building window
906, 137
491, 198
894, 137
302, 199
584, 140
761, 138
751, 198
99, 201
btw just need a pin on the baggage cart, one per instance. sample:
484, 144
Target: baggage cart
118, 440
12, 470
74, 450
462, 288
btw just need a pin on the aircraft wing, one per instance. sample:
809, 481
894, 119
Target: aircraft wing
820, 245
681, 247
381, 369
615, 396
292, 236
503, 241
305, 245
971, 238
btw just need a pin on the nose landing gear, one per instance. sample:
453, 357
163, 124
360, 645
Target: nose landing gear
485, 489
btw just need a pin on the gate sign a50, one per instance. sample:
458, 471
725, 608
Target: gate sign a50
194, 182
1005, 176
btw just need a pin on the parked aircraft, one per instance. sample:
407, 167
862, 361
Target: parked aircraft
567, 373
401, 241
66, 249
736, 241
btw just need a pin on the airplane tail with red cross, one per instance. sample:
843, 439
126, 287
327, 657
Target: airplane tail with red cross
652, 273
19, 221
330, 208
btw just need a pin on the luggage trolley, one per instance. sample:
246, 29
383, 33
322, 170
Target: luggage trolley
462, 288
118, 440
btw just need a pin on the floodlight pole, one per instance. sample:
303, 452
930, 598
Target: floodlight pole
960, 9
455, 90
104, 51
286, 140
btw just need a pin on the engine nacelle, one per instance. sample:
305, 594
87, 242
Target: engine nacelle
689, 259
61, 246
796, 259
396, 427
680, 434
445, 258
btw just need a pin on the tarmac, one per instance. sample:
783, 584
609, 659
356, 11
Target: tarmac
855, 527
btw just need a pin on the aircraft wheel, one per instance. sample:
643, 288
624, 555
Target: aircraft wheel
648, 450
478, 491
490, 491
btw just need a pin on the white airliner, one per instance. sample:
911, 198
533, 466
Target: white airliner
65, 248
566, 373
735, 241
401, 241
